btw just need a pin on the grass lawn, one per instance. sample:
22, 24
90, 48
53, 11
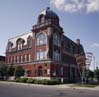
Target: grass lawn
84, 85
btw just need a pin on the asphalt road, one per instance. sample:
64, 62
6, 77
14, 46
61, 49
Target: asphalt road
20, 90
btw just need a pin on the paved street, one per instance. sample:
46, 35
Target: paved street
24, 90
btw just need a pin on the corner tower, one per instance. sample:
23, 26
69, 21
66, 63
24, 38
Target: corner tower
48, 35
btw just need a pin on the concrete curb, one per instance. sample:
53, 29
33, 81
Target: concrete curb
64, 86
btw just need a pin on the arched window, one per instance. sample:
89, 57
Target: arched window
9, 47
20, 43
56, 39
40, 71
28, 57
41, 39
29, 41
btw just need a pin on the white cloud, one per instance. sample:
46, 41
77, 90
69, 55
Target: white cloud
59, 4
92, 5
95, 45
76, 5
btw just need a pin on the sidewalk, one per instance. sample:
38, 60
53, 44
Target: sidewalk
63, 86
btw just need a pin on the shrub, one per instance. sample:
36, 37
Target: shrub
30, 80
35, 81
24, 80
17, 80
47, 82
53, 82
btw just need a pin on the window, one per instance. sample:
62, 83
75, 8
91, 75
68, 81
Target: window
40, 71
48, 71
25, 58
56, 39
45, 71
41, 39
41, 55
20, 43
62, 70
29, 57
21, 58
17, 59
19, 46
9, 47
56, 56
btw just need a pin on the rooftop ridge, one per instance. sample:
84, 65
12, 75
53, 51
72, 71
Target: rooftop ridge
19, 36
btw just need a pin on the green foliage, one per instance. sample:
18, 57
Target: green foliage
11, 70
35, 81
91, 74
68, 81
3, 71
96, 72
19, 71
30, 80
23, 80
47, 82
17, 80
52, 82
84, 85
88, 73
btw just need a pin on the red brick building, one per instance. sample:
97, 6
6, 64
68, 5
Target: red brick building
45, 52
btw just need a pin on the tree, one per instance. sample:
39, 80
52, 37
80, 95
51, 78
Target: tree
19, 71
91, 74
11, 70
88, 74
96, 72
4, 71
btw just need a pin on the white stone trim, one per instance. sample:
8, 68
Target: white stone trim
24, 36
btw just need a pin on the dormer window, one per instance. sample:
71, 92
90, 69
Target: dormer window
20, 43
20, 46
41, 39
9, 47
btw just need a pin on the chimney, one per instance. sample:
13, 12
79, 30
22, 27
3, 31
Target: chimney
78, 41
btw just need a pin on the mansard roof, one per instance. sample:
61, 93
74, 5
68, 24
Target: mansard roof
24, 37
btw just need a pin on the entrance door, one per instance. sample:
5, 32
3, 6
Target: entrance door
40, 71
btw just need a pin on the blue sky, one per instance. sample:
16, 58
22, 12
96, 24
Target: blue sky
79, 19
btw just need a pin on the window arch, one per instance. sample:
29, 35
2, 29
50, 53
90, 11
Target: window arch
29, 41
56, 39
9, 47
20, 43
41, 39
